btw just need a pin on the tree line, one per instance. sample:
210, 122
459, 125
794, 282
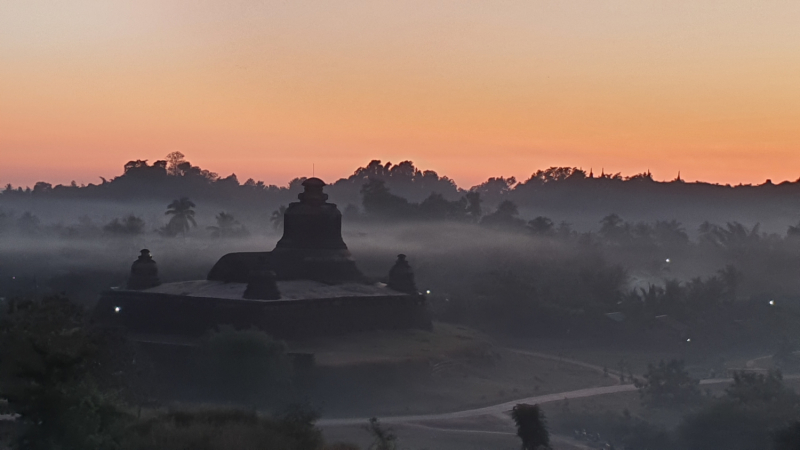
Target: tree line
549, 189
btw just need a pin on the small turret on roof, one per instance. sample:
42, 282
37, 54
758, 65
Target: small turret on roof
144, 272
401, 277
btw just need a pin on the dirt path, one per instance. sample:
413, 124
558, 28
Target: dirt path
559, 358
503, 408
751, 364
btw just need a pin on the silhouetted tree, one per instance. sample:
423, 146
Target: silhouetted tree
182, 216
750, 388
404, 179
733, 237
495, 189
41, 187
541, 226
555, 174
186, 169
378, 201
129, 225
613, 229
668, 384
227, 226
531, 426
437, 207
297, 184
174, 160
670, 233
474, 205
504, 217
644, 176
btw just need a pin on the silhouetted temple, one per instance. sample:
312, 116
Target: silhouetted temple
311, 248
308, 285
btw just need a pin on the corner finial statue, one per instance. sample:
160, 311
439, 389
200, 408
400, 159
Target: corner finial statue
144, 272
401, 277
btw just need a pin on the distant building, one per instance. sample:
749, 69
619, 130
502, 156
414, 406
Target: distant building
308, 285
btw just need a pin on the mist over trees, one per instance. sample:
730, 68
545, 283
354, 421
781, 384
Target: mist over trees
560, 193
539, 270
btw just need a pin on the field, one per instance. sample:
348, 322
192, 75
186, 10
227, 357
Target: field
417, 372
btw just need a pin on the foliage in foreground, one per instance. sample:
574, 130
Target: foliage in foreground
224, 429
73, 385
751, 414
63, 378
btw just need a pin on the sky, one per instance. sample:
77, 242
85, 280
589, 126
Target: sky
472, 89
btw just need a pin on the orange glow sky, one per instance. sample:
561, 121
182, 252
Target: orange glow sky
470, 89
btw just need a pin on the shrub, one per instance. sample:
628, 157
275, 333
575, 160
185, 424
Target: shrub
127, 226
668, 384
531, 426
245, 366
752, 388
214, 429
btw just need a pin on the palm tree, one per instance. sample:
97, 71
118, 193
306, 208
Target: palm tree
277, 218
182, 216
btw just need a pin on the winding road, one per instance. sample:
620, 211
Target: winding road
502, 409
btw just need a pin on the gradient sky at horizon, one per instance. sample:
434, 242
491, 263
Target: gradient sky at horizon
471, 89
